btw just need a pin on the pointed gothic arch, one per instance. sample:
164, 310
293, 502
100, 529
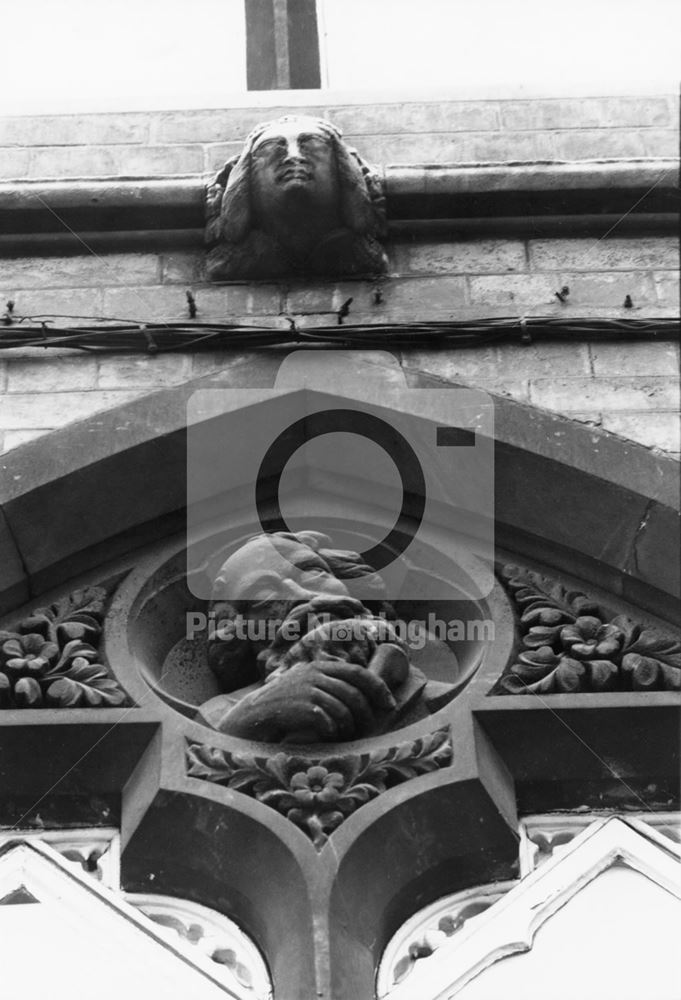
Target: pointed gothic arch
102, 500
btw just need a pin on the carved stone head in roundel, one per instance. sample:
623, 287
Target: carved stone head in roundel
297, 200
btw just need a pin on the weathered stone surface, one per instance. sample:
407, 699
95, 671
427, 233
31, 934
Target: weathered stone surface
611, 254
296, 201
627, 392
571, 643
332, 671
590, 112
81, 271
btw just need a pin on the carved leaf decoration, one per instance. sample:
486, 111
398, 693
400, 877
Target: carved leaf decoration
27, 693
84, 683
319, 794
55, 649
570, 644
649, 642
76, 616
5, 691
542, 601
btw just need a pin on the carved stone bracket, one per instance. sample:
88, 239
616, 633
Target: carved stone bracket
51, 659
296, 201
318, 794
570, 644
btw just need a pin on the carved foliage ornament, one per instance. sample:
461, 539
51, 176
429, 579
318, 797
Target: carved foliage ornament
296, 201
570, 644
319, 794
51, 658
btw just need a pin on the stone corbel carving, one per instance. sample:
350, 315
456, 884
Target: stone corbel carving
296, 201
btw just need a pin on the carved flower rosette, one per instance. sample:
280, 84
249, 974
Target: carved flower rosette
319, 794
51, 658
569, 644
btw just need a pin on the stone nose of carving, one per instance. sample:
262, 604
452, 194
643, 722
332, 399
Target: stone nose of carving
293, 150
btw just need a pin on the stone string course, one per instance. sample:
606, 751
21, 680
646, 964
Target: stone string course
187, 142
627, 388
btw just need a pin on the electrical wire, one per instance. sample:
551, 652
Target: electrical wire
110, 336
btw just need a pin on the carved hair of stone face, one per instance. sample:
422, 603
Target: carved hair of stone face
310, 569
346, 180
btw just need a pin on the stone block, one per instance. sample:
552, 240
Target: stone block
167, 303
324, 298
506, 146
642, 393
49, 374
610, 254
82, 270
14, 164
598, 144
121, 372
590, 112
21, 411
74, 130
183, 267
75, 306
513, 290
634, 358
108, 161
424, 147
608, 289
506, 361
656, 430
424, 298
660, 142
542, 359
417, 116
453, 364
667, 287
458, 257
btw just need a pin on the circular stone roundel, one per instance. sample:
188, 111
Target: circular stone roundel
285, 653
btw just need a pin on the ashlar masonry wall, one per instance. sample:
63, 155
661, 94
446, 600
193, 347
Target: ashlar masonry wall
627, 388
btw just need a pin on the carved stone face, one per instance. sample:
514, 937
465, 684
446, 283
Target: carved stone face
271, 578
292, 160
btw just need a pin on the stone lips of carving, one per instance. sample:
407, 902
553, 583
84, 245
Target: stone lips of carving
318, 794
290, 224
569, 644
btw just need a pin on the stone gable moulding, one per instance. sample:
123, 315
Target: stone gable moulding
90, 507
88, 931
479, 952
